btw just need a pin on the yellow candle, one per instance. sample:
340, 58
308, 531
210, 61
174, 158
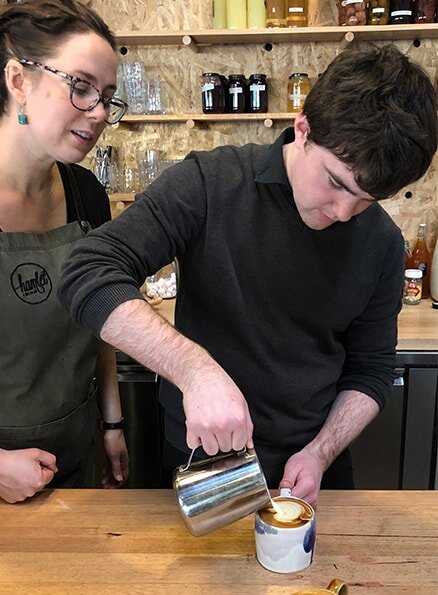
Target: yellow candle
219, 14
236, 14
256, 14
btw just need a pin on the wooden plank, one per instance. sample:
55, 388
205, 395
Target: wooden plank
287, 35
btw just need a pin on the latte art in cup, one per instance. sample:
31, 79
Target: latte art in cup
287, 512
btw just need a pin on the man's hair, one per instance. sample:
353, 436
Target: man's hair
377, 112
34, 30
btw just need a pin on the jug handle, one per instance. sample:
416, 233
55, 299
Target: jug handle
187, 465
189, 462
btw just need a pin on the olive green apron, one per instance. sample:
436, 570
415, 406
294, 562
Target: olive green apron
47, 362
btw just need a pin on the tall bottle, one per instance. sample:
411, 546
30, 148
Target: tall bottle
256, 11
219, 14
275, 13
434, 275
236, 14
420, 259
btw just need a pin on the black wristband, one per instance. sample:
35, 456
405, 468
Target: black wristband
108, 425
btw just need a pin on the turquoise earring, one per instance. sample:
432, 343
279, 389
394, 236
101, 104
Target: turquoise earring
22, 118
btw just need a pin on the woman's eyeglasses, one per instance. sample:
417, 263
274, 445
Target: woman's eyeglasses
84, 96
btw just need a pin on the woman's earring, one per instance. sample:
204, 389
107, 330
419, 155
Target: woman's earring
22, 118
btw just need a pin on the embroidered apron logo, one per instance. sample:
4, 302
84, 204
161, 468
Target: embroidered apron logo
31, 283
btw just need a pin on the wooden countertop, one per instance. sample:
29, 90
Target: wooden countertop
417, 325
92, 542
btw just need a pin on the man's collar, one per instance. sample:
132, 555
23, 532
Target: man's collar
273, 171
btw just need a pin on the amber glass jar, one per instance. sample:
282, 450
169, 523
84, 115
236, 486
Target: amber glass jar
296, 13
425, 11
378, 12
402, 12
297, 90
213, 96
275, 13
352, 13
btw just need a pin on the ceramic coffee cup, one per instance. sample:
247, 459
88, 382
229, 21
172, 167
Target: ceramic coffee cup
285, 535
336, 586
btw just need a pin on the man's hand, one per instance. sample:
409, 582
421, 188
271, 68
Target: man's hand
25, 472
217, 415
302, 475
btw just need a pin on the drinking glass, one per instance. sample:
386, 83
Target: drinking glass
134, 81
154, 97
147, 164
128, 180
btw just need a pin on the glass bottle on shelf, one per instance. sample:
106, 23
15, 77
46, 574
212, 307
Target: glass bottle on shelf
296, 13
297, 89
219, 14
236, 14
378, 12
237, 91
420, 259
256, 14
258, 93
425, 11
401, 12
275, 13
352, 13
213, 98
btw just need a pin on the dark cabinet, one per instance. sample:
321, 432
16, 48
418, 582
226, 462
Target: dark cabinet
398, 450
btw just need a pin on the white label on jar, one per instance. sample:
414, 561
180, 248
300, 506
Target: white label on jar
296, 9
297, 99
347, 2
377, 10
256, 86
207, 87
255, 96
401, 13
234, 92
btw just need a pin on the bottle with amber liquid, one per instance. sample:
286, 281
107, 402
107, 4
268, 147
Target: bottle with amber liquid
420, 259
275, 13
296, 13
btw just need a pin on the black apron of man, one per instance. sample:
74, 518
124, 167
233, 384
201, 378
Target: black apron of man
47, 362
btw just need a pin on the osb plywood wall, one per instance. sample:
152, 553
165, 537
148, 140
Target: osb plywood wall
180, 72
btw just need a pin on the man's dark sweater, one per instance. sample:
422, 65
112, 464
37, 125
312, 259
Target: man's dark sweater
292, 314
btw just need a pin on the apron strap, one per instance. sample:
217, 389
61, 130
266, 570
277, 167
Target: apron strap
77, 199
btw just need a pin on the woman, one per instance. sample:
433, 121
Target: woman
57, 80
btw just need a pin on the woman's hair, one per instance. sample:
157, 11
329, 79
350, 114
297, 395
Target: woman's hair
35, 30
377, 112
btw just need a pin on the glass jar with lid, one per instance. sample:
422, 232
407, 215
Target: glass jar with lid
296, 13
275, 13
352, 13
297, 90
237, 91
213, 97
401, 12
425, 11
258, 93
378, 12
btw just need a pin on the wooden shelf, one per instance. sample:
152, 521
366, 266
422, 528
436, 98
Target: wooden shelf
122, 196
189, 119
287, 35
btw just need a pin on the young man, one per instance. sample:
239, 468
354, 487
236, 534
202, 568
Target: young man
290, 276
